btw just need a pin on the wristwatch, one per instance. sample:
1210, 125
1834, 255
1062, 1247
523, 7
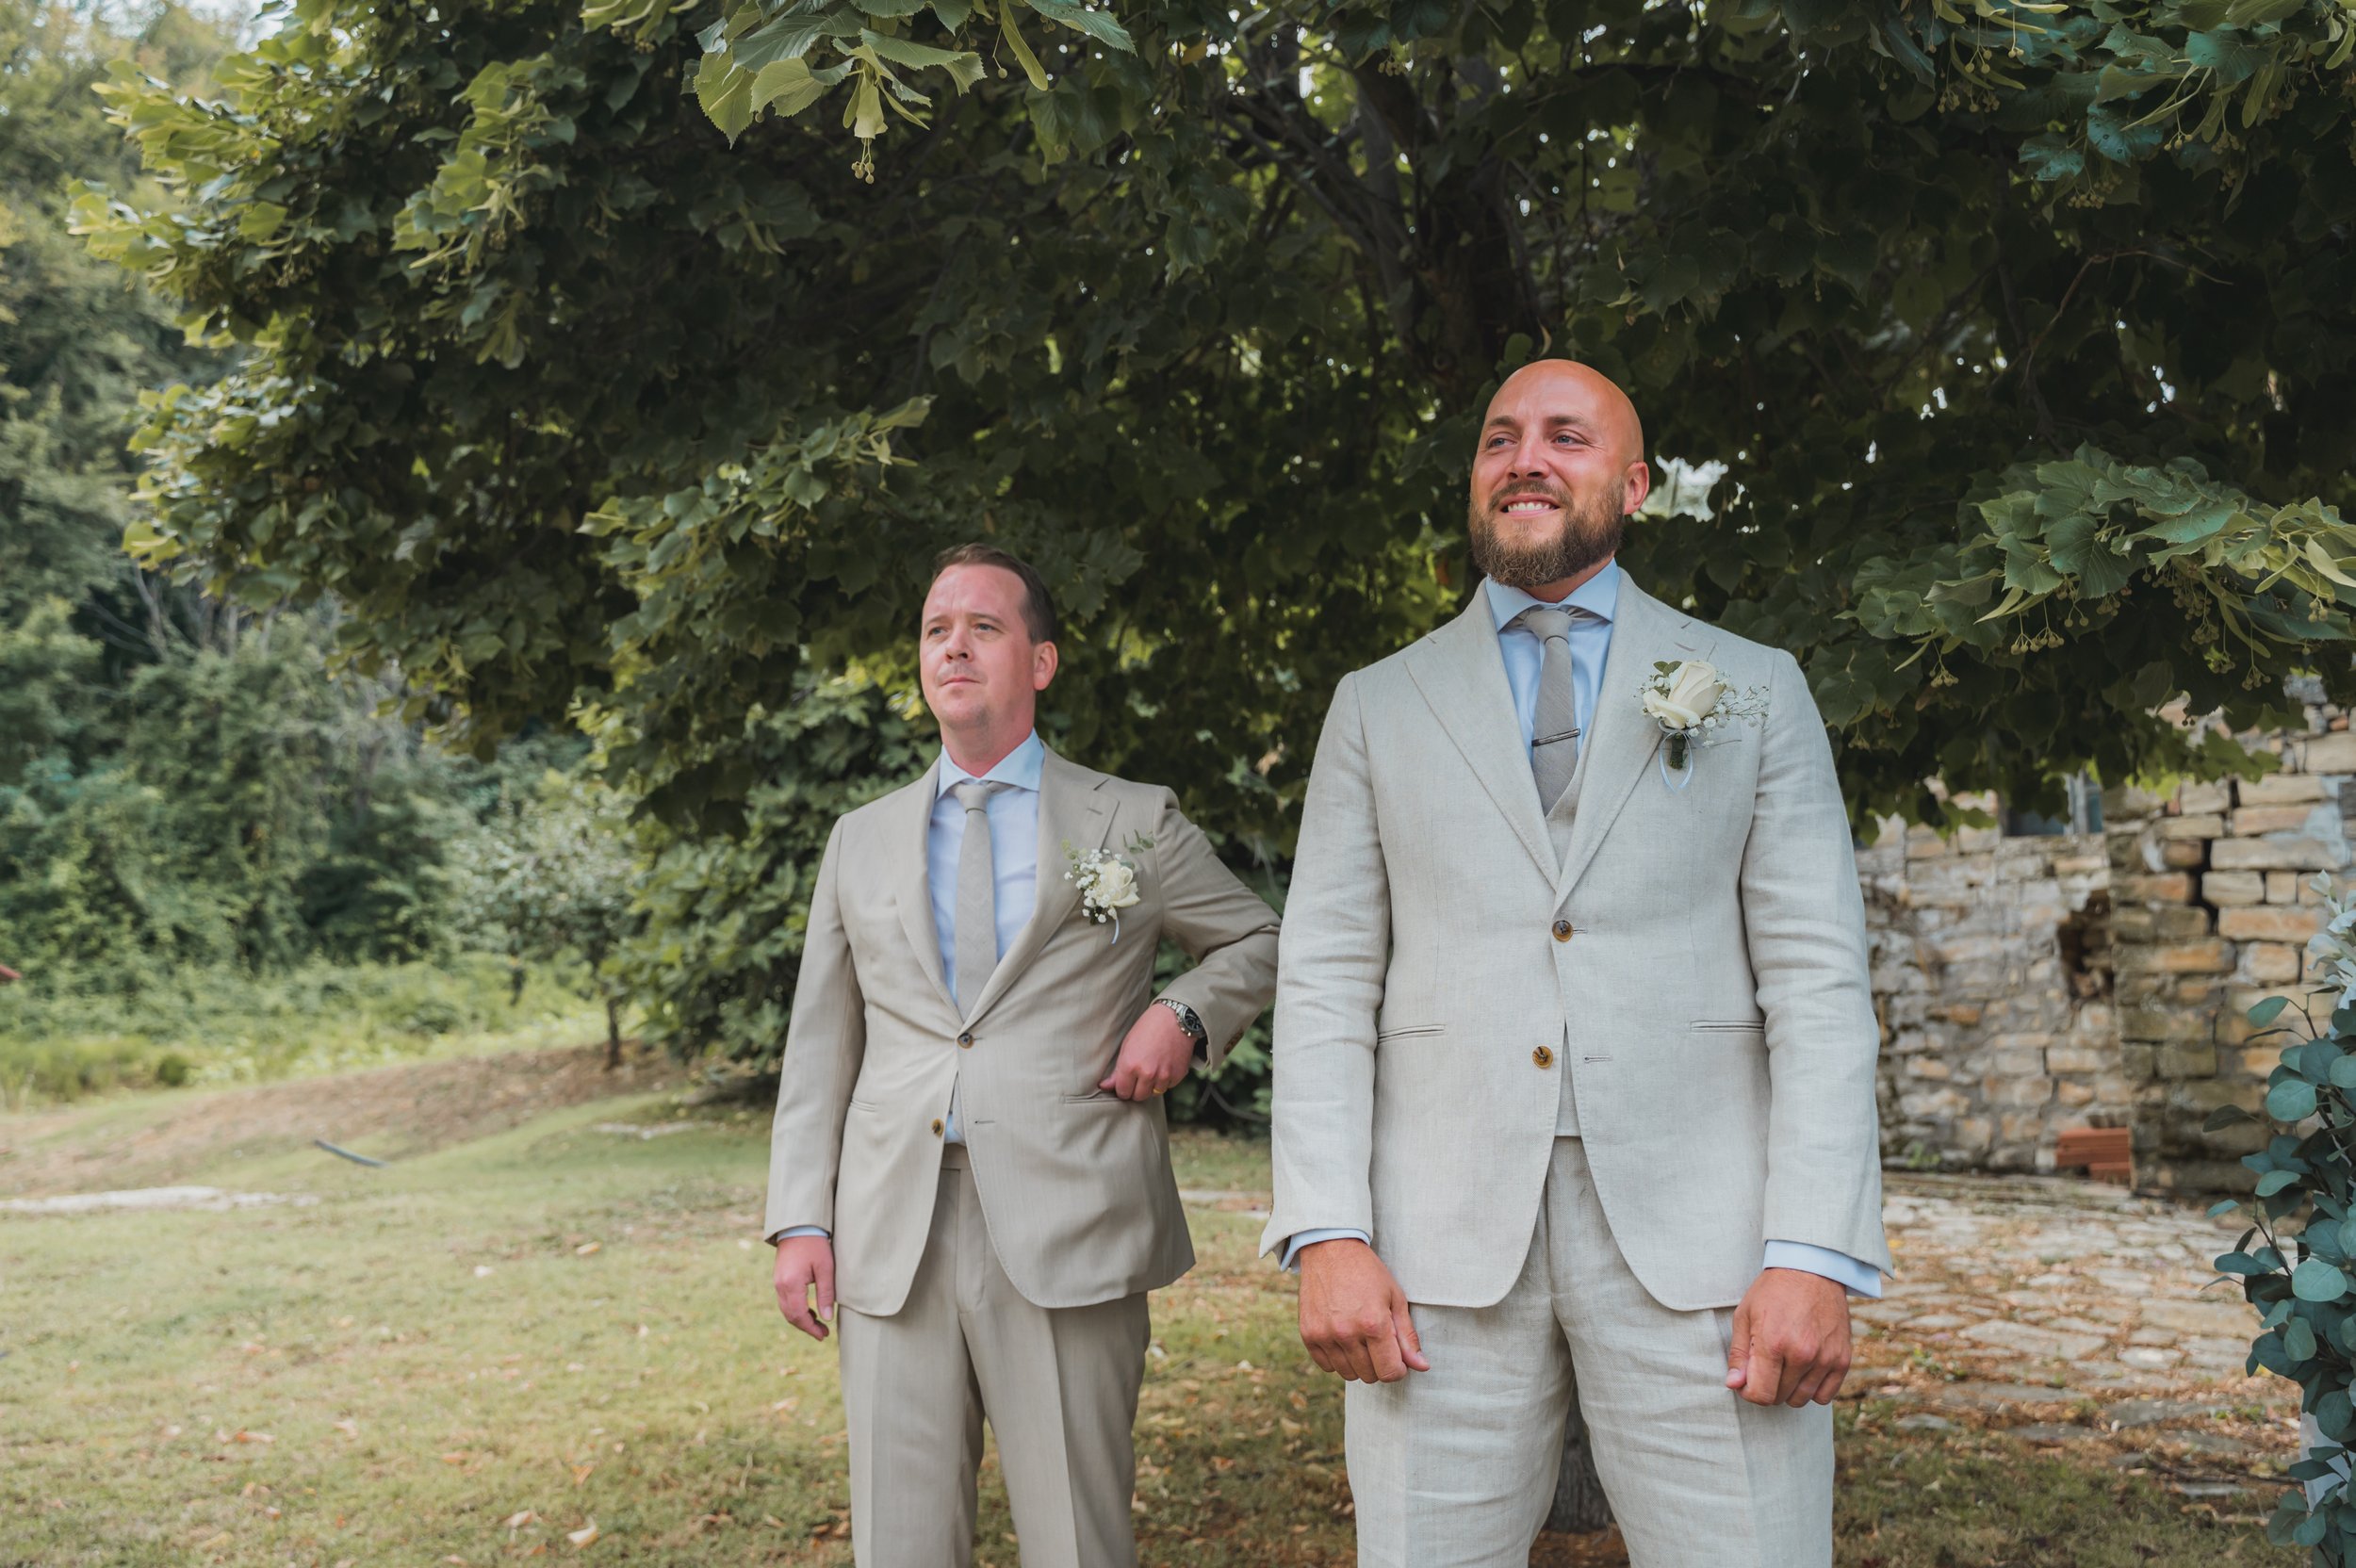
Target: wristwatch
1187, 1021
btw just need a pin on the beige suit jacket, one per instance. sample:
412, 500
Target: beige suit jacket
1712, 987
1075, 1183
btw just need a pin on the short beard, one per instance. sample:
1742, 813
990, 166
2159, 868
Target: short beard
1590, 535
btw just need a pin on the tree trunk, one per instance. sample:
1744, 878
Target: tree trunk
1578, 1501
613, 1033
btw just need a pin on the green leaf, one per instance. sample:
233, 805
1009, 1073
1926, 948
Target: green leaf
2275, 1181
789, 86
963, 65
2298, 1338
2293, 1099
726, 93
2268, 1012
1099, 26
2318, 1281
1021, 47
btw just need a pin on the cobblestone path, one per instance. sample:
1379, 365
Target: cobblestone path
2073, 1314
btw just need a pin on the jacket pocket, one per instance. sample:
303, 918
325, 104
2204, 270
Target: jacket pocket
1410, 1032
1729, 1026
1102, 1097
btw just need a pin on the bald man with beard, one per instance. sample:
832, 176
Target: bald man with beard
1574, 1055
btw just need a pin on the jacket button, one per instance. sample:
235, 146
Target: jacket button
1543, 1056
936, 1125
966, 1038
1562, 931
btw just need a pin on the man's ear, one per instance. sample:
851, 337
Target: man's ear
1044, 662
1639, 486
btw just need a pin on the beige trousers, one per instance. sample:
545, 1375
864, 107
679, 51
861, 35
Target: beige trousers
1455, 1467
1059, 1386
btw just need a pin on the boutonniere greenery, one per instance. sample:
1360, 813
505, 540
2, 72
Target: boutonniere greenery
1108, 881
1692, 703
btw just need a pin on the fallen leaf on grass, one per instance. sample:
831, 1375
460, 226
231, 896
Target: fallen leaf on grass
482, 1271
518, 1521
581, 1472
241, 1435
585, 1537
348, 1427
585, 1249
787, 1407
458, 1458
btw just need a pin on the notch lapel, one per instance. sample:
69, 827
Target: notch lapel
1462, 676
1071, 808
910, 828
1645, 631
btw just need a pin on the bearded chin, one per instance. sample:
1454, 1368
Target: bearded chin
1589, 535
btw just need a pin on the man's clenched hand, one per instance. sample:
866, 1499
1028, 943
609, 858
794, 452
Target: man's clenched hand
806, 1263
1353, 1317
1791, 1339
1153, 1056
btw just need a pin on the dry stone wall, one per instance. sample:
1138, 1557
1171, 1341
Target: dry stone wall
2027, 986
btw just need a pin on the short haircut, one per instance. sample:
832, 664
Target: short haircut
1039, 609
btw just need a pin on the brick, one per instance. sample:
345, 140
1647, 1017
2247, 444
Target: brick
2270, 923
2280, 789
2273, 964
2207, 825
2184, 854
2194, 798
2215, 956
2013, 1064
2073, 1094
2253, 820
2180, 923
2329, 754
2075, 1058
2287, 887
2187, 1061
2274, 855
1965, 1013
2163, 1024
2236, 887
2029, 1091
1929, 1067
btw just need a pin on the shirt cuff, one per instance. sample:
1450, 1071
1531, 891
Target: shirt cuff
789, 1233
1859, 1279
1310, 1239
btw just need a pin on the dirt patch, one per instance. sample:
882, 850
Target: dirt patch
392, 1113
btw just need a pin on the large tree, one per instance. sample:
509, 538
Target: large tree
635, 363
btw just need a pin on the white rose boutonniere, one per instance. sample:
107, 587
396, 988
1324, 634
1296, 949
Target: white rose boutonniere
1107, 882
1692, 702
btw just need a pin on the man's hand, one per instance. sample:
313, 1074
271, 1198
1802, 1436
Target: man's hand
1156, 1055
1791, 1339
1353, 1317
802, 1263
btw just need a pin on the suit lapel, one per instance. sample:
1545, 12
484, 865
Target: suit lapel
1621, 741
909, 830
1071, 810
1461, 673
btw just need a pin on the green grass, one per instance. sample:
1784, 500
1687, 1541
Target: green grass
214, 1027
563, 1322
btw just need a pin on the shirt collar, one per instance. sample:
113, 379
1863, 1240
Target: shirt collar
1599, 595
1019, 768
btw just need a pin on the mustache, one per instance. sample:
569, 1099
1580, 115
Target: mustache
1527, 491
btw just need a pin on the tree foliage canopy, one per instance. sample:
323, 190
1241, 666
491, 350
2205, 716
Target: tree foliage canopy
2023, 332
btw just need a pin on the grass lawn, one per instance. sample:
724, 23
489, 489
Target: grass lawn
478, 1351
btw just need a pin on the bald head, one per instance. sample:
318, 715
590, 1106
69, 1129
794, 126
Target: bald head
1559, 466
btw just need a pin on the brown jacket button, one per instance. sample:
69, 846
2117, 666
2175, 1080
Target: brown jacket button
1562, 931
966, 1038
936, 1125
1543, 1056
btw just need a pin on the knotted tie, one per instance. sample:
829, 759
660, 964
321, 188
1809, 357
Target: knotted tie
1554, 737
977, 896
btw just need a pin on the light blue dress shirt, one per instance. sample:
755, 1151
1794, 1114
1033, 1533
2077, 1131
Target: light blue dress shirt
1014, 851
1590, 646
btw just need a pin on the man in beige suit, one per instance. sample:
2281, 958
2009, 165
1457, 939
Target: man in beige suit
1574, 1072
970, 1153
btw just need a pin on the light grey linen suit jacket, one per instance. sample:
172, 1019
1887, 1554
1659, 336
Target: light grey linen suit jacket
1721, 1027
1075, 1183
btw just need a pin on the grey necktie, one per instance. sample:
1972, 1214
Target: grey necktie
976, 943
1554, 736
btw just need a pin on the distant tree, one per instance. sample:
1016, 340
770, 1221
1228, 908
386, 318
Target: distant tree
549, 876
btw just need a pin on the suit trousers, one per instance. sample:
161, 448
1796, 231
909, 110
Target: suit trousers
1455, 1467
1059, 1386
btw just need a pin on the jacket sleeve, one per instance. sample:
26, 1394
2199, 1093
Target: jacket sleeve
824, 1045
1224, 926
1804, 919
1335, 951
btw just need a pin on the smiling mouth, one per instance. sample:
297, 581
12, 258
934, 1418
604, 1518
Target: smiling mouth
1522, 506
